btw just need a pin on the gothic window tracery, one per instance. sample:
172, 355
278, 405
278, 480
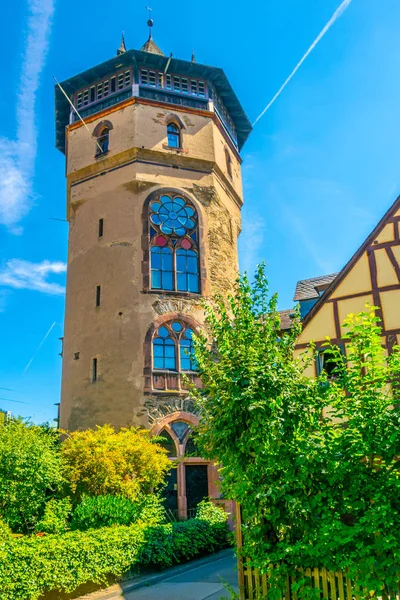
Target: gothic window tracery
173, 348
174, 254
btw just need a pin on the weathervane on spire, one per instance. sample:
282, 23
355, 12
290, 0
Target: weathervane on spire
150, 21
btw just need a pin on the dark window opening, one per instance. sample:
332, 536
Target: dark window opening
191, 448
98, 295
94, 369
76, 355
173, 135
328, 361
103, 142
168, 443
112, 81
228, 163
101, 227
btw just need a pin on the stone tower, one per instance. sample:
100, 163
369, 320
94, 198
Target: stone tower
153, 202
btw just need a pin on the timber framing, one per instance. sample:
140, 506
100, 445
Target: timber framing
370, 247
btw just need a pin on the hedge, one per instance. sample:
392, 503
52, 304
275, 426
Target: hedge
32, 566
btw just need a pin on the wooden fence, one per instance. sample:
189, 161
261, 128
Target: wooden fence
332, 585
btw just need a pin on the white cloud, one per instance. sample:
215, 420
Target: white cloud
22, 274
18, 156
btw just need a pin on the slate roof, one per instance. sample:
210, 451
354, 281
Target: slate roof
151, 46
306, 288
286, 321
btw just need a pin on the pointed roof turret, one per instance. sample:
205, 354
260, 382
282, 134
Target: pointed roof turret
193, 57
122, 47
150, 45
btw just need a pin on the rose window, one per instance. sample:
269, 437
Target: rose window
173, 216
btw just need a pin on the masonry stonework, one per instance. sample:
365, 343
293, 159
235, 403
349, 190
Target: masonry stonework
115, 189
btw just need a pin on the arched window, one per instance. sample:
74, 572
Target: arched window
228, 161
173, 348
168, 443
173, 135
191, 448
162, 269
103, 139
164, 351
186, 351
174, 255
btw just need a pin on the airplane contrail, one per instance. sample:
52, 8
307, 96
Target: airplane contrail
38, 348
338, 13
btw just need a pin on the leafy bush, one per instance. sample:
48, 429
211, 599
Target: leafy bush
210, 512
5, 531
102, 461
31, 566
94, 512
313, 463
104, 511
151, 509
30, 472
56, 515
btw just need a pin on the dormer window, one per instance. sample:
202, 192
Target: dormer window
174, 135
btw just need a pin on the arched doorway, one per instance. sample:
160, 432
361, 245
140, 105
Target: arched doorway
194, 478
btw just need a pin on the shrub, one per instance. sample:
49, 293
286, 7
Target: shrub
102, 461
30, 472
210, 512
5, 531
56, 515
31, 566
94, 512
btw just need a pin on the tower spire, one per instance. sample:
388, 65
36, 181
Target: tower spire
193, 57
122, 47
150, 45
150, 22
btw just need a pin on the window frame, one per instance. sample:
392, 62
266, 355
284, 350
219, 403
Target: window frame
177, 245
103, 137
108, 86
177, 338
175, 135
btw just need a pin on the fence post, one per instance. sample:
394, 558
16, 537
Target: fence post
239, 545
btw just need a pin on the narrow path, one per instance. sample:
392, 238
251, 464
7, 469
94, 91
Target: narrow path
199, 580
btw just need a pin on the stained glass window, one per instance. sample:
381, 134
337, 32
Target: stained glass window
166, 342
162, 268
173, 237
164, 351
187, 270
173, 134
187, 359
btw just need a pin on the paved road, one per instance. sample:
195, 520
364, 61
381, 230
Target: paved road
199, 580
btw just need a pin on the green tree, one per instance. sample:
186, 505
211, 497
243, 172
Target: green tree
102, 461
312, 462
30, 472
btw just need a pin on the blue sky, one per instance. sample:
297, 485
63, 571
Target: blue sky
320, 167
